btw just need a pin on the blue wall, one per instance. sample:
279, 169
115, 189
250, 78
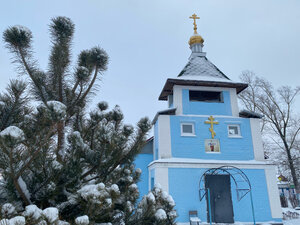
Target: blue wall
183, 179
206, 108
193, 147
142, 161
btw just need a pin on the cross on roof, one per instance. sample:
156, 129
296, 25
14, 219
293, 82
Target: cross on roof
211, 122
194, 17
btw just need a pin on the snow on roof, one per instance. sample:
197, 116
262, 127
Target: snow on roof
204, 78
200, 67
199, 71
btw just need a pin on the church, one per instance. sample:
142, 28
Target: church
206, 153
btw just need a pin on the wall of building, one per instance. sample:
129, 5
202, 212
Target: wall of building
184, 106
206, 108
193, 146
142, 161
184, 188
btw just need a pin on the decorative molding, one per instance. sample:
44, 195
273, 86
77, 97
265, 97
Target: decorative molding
186, 163
256, 139
273, 192
162, 177
177, 99
164, 137
234, 102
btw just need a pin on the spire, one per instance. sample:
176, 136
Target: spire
196, 41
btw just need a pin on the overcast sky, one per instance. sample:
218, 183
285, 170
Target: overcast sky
147, 41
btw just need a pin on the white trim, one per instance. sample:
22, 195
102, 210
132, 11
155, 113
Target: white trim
256, 139
164, 137
273, 192
149, 179
177, 99
162, 177
238, 135
201, 163
234, 102
219, 116
233, 122
187, 134
203, 88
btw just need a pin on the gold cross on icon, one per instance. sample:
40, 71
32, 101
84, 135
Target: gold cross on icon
211, 122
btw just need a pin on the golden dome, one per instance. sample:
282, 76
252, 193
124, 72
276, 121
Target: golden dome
196, 38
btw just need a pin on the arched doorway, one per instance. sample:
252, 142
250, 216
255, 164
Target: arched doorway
215, 185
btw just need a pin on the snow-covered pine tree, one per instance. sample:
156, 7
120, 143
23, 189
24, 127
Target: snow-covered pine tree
156, 208
57, 162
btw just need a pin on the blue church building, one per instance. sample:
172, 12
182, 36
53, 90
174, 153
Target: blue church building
206, 153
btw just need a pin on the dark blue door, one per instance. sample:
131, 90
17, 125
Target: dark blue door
220, 198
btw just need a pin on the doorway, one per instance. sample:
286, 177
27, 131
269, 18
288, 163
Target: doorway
220, 198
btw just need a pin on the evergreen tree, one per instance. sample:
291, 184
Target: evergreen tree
56, 160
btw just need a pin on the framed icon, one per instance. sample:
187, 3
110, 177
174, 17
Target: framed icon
212, 145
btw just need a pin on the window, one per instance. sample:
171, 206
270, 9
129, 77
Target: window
234, 131
206, 96
187, 129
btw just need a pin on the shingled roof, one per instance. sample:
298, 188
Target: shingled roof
199, 71
200, 67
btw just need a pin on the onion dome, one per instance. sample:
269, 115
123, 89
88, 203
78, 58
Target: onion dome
196, 39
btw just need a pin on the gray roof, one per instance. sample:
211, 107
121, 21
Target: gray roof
250, 114
200, 67
199, 71
170, 111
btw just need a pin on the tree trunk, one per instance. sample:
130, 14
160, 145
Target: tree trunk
21, 193
293, 171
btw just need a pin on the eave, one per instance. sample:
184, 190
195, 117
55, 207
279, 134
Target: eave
168, 88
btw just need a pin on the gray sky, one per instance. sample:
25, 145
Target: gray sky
147, 41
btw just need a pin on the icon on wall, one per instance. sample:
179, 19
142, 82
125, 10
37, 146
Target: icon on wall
212, 145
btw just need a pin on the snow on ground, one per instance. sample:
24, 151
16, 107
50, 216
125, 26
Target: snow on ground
292, 222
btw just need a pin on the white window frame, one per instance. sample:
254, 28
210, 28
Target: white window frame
187, 134
234, 135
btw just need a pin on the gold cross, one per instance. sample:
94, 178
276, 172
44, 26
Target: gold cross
194, 17
211, 122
